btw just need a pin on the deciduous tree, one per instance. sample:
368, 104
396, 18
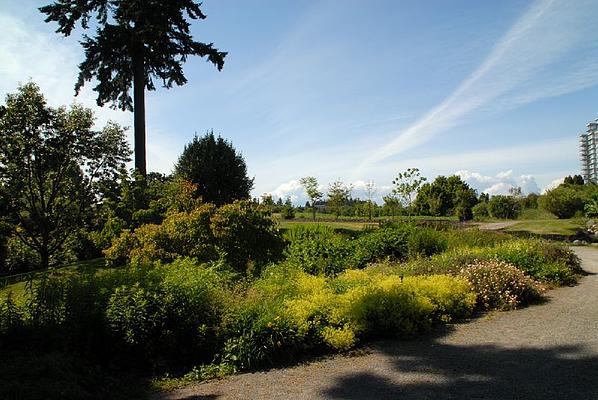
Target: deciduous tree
407, 184
310, 184
50, 163
338, 196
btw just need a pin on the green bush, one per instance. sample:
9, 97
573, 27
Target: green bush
174, 318
541, 260
161, 314
425, 242
287, 212
499, 285
389, 242
544, 261
318, 250
82, 245
241, 233
19, 257
480, 211
246, 234
563, 201
503, 207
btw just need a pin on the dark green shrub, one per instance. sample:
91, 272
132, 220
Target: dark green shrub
146, 216
503, 207
111, 230
389, 242
83, 245
161, 314
538, 259
240, 232
563, 201
425, 242
20, 258
287, 212
247, 235
480, 211
318, 250
5, 231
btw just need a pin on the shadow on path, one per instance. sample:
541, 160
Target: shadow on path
434, 370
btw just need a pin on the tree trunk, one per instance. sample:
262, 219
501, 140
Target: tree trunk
313, 208
139, 109
44, 256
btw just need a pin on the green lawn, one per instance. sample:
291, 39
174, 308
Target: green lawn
565, 227
305, 215
340, 224
535, 213
17, 284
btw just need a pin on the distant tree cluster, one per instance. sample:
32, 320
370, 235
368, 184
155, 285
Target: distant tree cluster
446, 196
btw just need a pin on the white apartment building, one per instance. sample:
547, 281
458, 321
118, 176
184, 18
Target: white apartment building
588, 147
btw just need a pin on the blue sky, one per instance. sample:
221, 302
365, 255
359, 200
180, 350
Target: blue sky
494, 91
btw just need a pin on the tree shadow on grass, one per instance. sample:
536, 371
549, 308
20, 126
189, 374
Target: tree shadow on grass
430, 369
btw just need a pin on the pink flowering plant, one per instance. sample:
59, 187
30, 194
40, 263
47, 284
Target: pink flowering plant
500, 285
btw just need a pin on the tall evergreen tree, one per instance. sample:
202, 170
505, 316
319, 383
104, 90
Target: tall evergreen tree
216, 168
136, 41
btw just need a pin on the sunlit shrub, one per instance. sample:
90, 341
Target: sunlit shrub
391, 242
318, 250
425, 242
246, 234
240, 233
499, 285
541, 260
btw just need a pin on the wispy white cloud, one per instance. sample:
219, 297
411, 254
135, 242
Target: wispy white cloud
49, 61
515, 72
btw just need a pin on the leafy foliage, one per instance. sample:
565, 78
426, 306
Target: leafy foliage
563, 201
50, 164
240, 233
338, 196
504, 207
318, 250
446, 196
407, 184
246, 235
310, 184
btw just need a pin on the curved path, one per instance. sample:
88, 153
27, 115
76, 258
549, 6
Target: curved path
549, 351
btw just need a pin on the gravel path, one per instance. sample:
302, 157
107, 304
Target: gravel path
549, 351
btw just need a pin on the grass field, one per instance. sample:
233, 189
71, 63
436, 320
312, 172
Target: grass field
564, 227
341, 224
17, 284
